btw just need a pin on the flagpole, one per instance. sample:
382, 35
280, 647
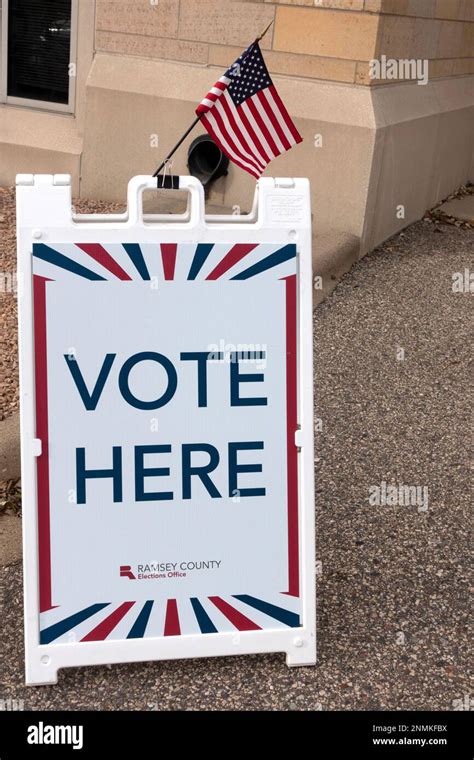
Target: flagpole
176, 146
180, 141
264, 31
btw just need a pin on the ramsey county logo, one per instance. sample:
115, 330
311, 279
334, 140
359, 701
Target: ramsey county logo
126, 572
153, 570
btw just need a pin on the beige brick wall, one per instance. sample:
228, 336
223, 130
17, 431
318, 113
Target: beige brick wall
318, 39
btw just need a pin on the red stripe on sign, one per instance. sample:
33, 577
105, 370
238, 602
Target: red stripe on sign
241, 622
101, 631
168, 256
232, 257
172, 627
42, 463
291, 427
103, 257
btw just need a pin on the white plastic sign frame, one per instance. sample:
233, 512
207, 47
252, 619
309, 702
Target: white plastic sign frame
87, 280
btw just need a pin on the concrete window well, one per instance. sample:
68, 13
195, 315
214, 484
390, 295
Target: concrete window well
382, 93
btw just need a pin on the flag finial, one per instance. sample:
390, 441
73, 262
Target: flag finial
264, 31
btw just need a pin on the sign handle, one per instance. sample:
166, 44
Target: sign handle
142, 182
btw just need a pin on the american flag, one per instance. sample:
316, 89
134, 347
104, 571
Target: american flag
245, 116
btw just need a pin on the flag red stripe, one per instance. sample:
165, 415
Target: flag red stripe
286, 115
280, 148
226, 110
230, 133
271, 115
229, 140
210, 126
207, 125
251, 131
241, 135
221, 131
216, 95
245, 108
268, 137
203, 107
279, 117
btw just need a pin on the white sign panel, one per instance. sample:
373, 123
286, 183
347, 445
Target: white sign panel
166, 429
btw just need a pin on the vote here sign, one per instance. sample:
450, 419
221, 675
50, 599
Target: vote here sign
166, 403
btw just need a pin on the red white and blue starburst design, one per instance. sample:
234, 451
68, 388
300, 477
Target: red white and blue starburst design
159, 616
165, 261
169, 617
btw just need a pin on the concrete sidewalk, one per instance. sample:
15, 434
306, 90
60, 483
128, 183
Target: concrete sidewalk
391, 382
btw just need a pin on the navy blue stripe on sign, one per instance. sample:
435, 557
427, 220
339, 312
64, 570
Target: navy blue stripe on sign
136, 255
202, 252
138, 629
205, 623
284, 616
273, 260
44, 252
56, 630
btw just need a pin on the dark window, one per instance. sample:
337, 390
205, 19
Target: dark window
39, 41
